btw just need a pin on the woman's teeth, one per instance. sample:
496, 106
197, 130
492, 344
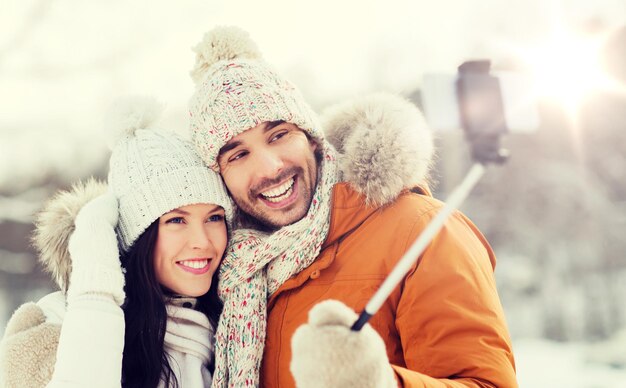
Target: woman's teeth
279, 193
197, 264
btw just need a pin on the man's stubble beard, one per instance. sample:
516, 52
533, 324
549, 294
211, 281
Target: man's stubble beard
257, 221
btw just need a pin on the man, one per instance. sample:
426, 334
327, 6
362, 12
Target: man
314, 226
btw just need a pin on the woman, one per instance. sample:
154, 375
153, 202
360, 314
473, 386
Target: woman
151, 323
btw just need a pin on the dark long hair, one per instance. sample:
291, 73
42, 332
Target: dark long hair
144, 361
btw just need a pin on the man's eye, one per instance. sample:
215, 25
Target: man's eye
237, 156
278, 135
216, 218
175, 220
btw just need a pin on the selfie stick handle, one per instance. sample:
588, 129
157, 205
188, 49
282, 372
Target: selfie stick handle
415, 251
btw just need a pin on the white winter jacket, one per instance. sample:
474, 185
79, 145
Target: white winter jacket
91, 344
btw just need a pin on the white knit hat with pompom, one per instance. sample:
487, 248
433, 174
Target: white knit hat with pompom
236, 90
153, 171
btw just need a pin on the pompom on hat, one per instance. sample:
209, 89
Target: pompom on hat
236, 90
153, 171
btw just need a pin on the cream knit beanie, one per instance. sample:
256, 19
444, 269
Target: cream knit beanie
154, 171
236, 90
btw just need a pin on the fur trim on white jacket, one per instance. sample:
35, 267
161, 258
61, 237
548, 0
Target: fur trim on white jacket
55, 224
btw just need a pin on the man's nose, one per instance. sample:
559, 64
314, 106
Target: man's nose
269, 165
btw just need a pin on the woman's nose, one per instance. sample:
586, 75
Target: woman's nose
199, 237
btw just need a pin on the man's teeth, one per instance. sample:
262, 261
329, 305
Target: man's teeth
279, 193
197, 264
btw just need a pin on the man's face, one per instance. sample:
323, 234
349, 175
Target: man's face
271, 172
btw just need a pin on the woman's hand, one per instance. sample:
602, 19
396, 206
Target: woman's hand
94, 250
91, 343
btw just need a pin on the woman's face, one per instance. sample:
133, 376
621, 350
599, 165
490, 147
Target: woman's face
189, 247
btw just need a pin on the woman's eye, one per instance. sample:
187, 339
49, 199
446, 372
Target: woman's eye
216, 218
175, 220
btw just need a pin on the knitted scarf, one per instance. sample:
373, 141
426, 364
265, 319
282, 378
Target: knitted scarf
255, 266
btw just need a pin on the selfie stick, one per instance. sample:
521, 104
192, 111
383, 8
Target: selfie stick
484, 136
415, 251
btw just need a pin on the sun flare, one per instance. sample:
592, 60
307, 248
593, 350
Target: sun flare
567, 68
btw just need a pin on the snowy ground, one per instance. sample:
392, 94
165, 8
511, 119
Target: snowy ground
542, 363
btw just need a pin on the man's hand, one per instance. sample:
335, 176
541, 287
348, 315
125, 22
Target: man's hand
326, 353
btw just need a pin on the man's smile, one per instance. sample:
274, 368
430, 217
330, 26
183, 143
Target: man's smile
282, 196
279, 193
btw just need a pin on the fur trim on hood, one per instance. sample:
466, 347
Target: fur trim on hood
55, 224
384, 145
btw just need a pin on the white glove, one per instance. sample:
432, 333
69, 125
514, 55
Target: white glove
96, 267
92, 335
326, 353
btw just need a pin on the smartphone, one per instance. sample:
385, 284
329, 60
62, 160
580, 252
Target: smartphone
480, 101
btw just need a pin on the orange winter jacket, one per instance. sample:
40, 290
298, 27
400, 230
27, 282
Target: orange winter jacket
443, 326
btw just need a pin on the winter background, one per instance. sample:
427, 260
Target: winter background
555, 213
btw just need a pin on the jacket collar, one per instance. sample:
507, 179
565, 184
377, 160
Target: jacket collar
350, 209
348, 212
